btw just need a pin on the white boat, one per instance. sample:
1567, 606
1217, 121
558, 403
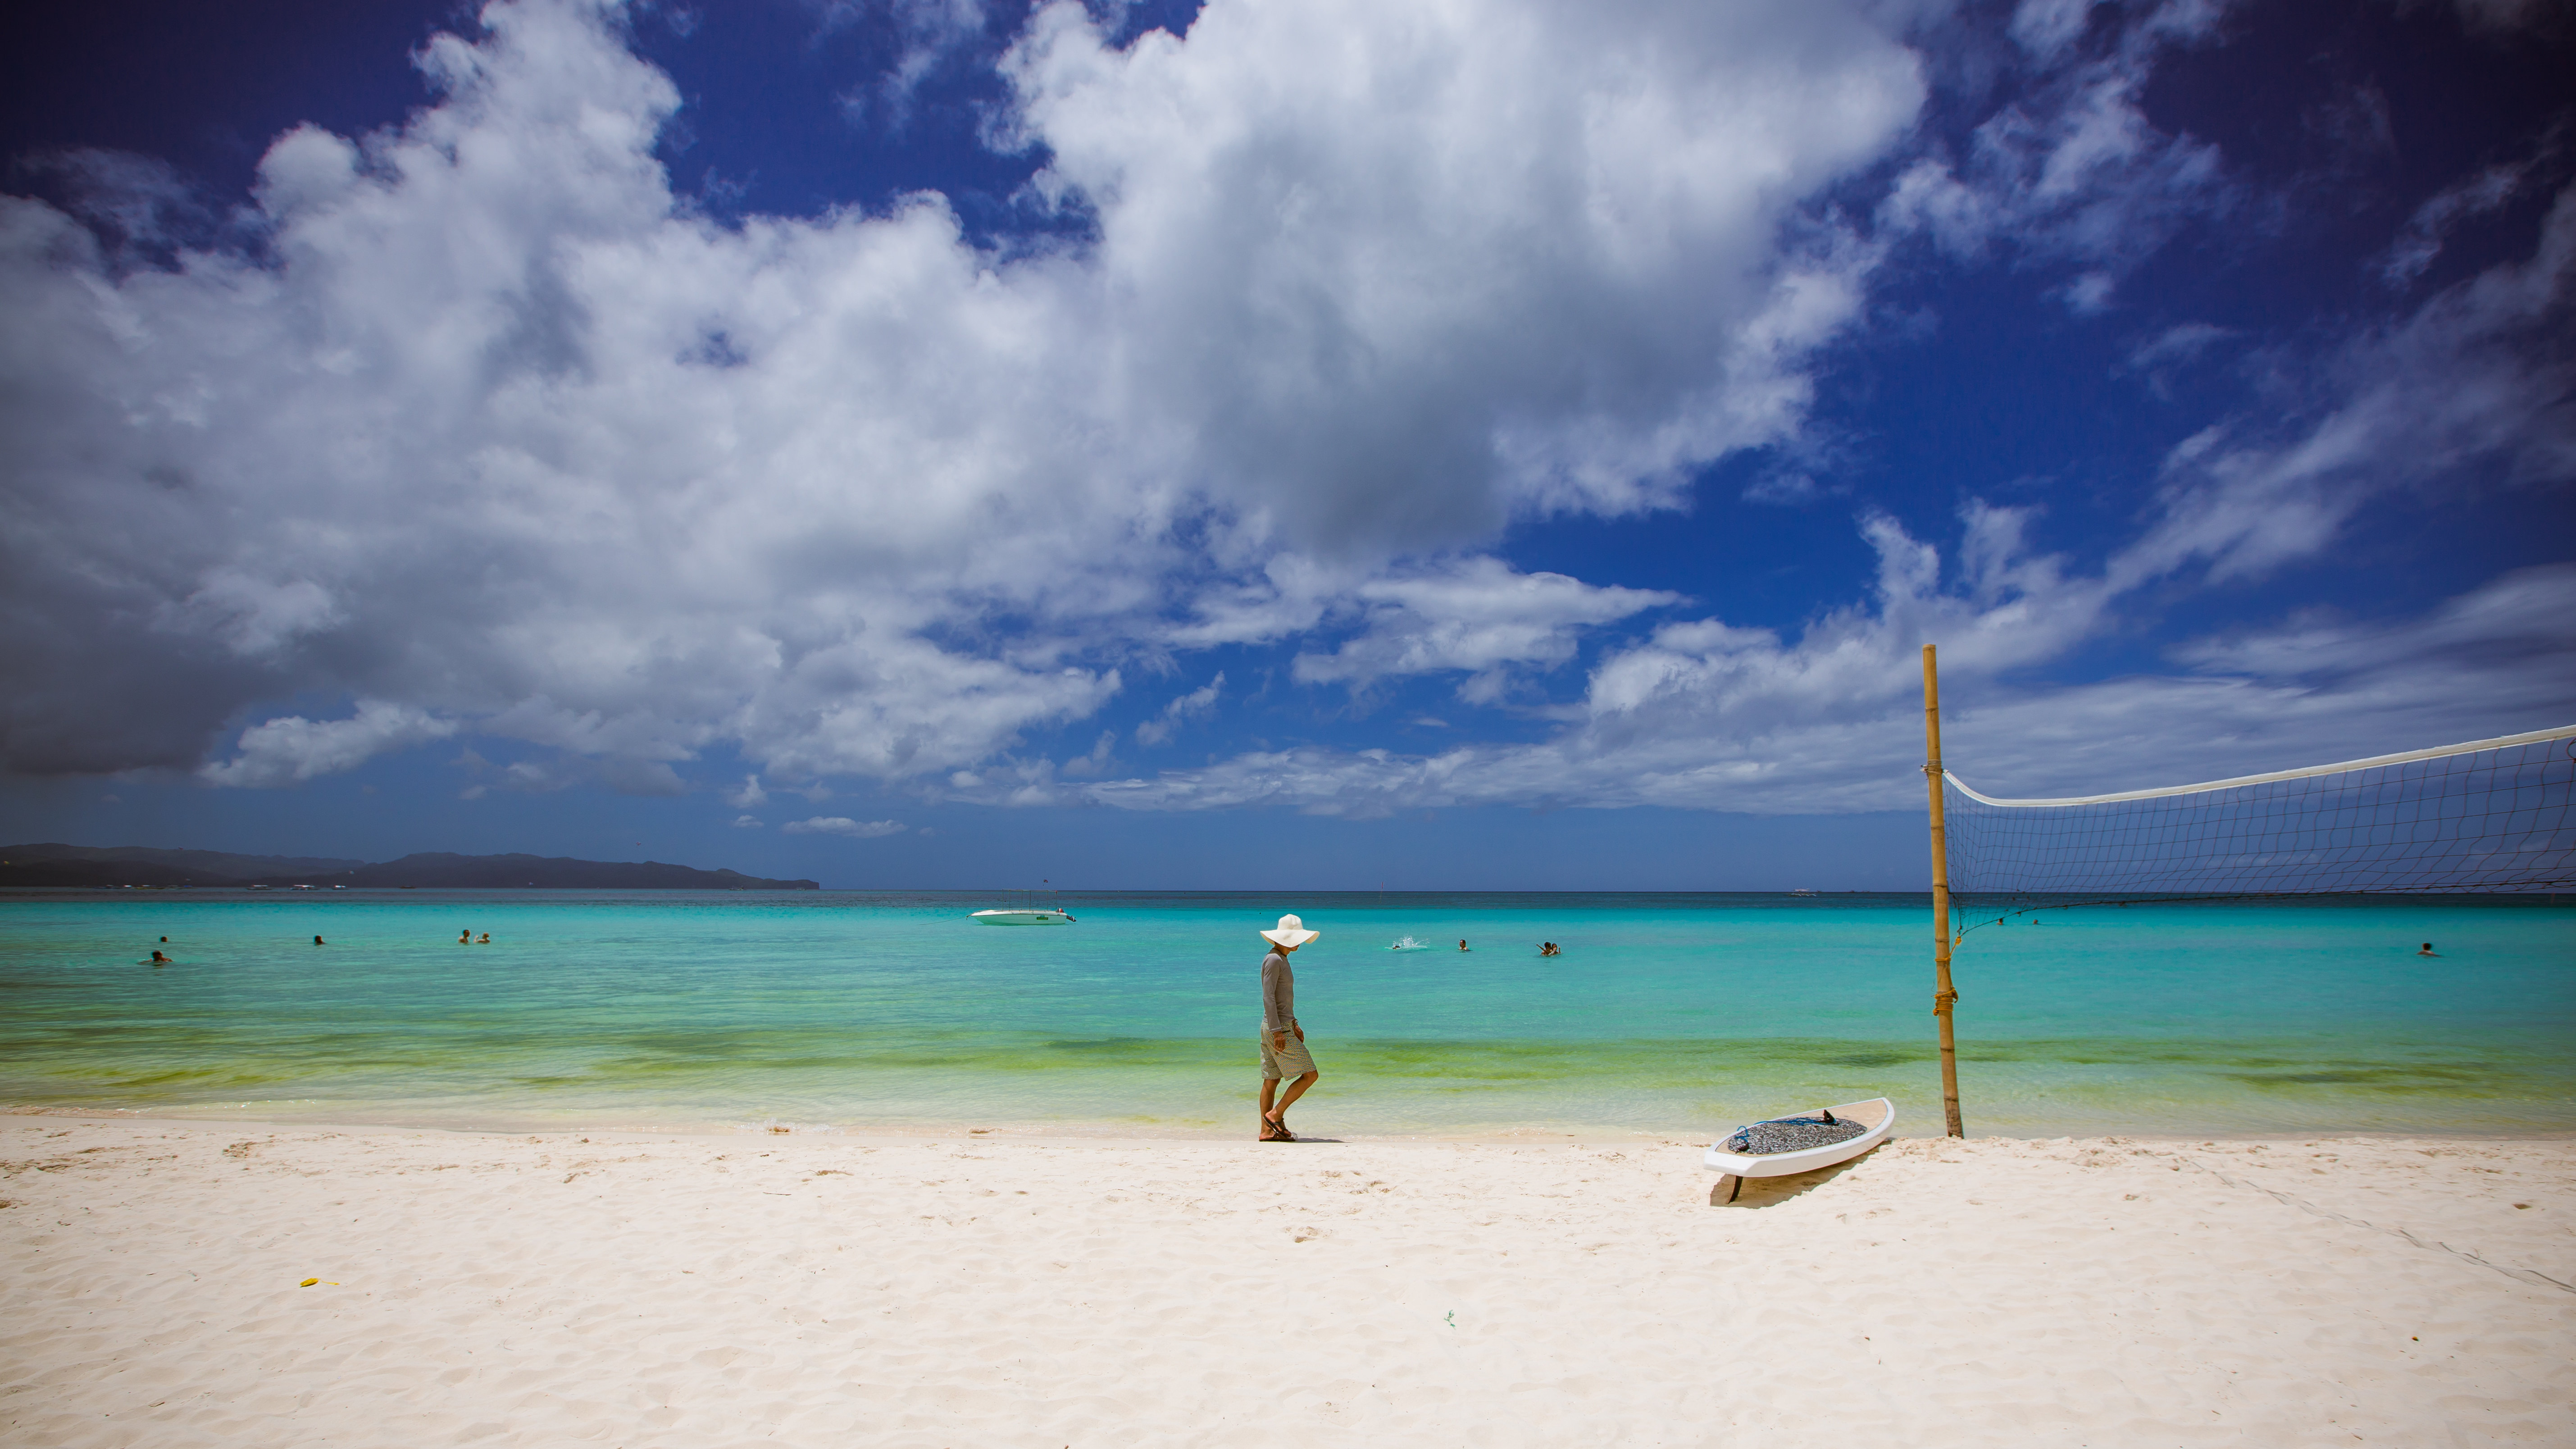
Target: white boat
1024, 918
1730, 1155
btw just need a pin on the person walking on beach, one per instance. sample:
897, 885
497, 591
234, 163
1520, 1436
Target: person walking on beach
1283, 1041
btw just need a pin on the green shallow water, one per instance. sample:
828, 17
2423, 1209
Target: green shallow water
1683, 1014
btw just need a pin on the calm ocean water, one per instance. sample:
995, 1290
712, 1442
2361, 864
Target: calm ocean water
1668, 1013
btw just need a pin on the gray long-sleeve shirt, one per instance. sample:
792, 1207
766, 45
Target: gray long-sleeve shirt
1278, 993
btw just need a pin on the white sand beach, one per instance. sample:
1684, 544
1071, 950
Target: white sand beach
996, 1289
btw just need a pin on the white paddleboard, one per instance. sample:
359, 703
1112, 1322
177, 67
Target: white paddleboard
1877, 1115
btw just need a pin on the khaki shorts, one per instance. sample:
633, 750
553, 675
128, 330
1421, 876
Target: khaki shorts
1292, 1060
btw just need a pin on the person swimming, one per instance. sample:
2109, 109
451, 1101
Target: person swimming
317, 940
1549, 948
158, 959
465, 938
486, 939
1462, 944
2428, 950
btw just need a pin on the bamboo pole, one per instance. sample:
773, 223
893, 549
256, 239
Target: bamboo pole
1944, 996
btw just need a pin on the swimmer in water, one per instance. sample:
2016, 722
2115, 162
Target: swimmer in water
2428, 950
1547, 948
317, 940
485, 940
1462, 945
465, 938
158, 959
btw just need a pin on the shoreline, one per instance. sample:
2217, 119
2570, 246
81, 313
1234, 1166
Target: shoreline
1130, 1134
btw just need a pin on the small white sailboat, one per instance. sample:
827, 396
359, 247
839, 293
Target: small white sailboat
1799, 1142
1407, 943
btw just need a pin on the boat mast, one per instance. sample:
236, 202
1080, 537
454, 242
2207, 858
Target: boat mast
1944, 996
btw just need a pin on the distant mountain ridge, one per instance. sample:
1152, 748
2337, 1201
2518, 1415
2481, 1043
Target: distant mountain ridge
58, 865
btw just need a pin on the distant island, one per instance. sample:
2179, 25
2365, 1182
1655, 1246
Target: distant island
92, 866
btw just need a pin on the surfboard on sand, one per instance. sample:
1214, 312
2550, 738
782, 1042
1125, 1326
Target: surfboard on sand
1799, 1142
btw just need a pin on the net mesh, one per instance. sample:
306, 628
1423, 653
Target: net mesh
2494, 817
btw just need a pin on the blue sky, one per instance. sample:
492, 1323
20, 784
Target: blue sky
1264, 444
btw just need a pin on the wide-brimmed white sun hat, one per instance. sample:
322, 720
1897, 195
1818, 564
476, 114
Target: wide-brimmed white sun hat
1291, 932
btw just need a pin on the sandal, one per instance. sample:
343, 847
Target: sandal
1269, 1131
1284, 1135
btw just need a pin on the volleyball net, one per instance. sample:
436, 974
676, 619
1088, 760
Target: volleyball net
2487, 816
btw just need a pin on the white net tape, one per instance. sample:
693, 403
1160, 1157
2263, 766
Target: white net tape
2486, 816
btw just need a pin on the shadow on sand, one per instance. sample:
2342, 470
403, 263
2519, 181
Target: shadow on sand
1763, 1192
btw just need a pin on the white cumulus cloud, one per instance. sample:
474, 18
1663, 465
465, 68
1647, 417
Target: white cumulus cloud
487, 431
2070, 171
1477, 617
1715, 718
1705, 713
842, 825
2477, 376
291, 748
490, 427
1189, 706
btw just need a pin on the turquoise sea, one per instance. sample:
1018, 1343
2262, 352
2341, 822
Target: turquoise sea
1681, 1014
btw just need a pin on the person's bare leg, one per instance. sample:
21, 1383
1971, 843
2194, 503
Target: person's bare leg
1287, 1099
1269, 1088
